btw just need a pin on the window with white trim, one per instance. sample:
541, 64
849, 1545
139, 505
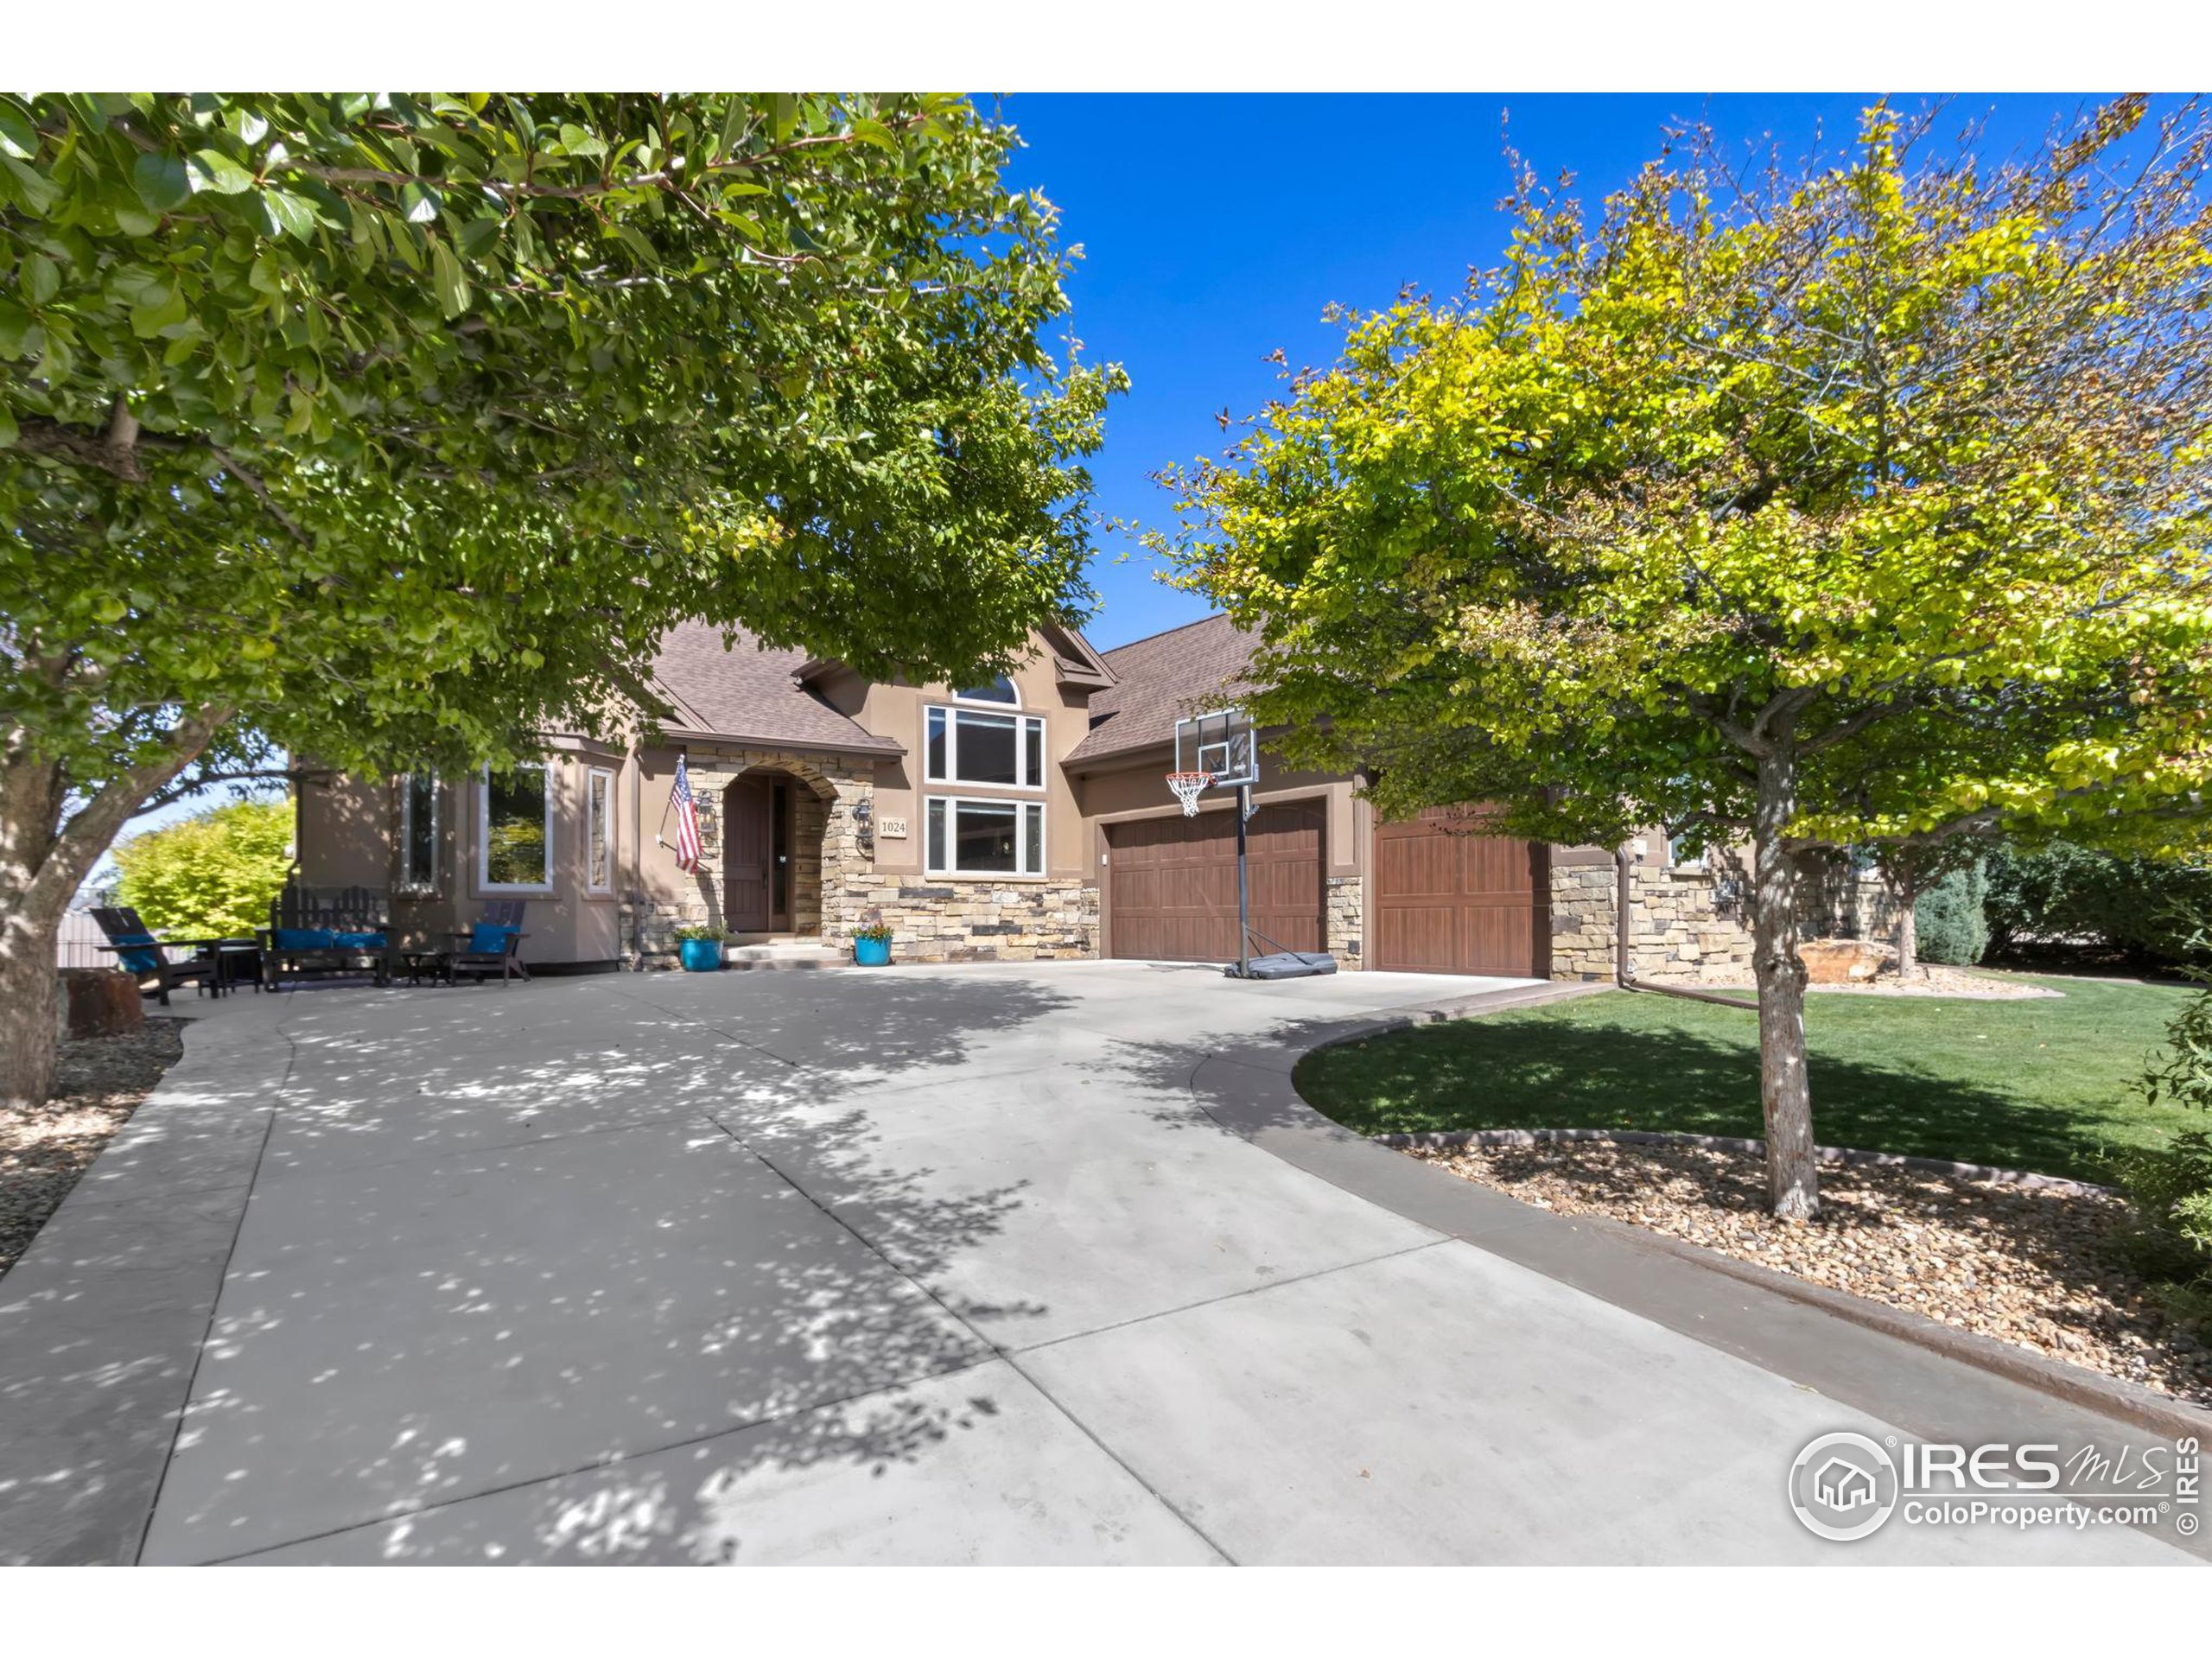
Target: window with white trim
599, 830
993, 750
969, 837
515, 814
418, 832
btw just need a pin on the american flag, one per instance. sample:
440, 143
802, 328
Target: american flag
687, 818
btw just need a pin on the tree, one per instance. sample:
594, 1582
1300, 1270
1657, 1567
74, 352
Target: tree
1914, 871
2055, 892
213, 874
1723, 512
396, 429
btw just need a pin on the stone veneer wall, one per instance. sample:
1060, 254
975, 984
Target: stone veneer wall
972, 920
834, 883
1347, 905
1684, 925
1690, 924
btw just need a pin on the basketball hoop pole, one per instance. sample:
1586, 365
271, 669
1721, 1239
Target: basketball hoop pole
1243, 891
1215, 750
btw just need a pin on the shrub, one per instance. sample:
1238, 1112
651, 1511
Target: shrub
211, 874
2147, 908
1947, 917
688, 935
2171, 1186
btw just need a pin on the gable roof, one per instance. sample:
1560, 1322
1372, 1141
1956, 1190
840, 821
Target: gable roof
746, 692
1160, 680
1075, 661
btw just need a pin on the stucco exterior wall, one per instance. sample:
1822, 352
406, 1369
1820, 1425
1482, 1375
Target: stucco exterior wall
898, 710
348, 836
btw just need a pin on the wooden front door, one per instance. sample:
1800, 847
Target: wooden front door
748, 855
1459, 904
1171, 883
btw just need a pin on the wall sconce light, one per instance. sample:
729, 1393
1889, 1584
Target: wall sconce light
864, 823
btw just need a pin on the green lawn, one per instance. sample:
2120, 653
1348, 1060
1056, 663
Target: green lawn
2044, 1084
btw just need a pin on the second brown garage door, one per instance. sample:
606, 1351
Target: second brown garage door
1171, 883
1459, 904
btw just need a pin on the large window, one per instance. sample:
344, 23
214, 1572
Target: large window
517, 815
972, 838
969, 745
418, 832
599, 830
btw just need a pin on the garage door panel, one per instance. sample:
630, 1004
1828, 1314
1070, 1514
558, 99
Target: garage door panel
1171, 883
1415, 867
1447, 902
1417, 940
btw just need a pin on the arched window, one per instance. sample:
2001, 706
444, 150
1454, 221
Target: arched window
999, 691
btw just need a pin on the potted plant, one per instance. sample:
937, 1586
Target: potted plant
700, 949
872, 945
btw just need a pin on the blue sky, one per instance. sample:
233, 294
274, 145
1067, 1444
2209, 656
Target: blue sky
1216, 228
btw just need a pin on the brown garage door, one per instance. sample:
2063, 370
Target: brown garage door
1171, 883
1459, 904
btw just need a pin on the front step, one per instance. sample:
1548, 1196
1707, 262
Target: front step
786, 953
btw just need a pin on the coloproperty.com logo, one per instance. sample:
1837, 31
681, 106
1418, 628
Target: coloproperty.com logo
1845, 1485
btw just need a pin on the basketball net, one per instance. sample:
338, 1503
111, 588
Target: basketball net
1187, 786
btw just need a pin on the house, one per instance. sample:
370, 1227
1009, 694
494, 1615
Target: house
1843, 1485
1021, 820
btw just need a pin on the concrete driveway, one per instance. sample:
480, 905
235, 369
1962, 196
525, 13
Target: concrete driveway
973, 1264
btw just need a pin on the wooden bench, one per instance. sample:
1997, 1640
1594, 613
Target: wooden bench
327, 930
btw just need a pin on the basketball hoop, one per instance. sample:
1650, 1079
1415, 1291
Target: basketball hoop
1187, 786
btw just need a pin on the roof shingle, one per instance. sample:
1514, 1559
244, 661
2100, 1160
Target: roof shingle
1160, 680
746, 692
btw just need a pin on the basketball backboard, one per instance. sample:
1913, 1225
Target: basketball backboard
1219, 743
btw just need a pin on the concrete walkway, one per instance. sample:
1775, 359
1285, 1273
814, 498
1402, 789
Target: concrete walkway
977, 1264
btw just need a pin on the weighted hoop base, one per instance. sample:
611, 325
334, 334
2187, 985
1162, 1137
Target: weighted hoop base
1187, 786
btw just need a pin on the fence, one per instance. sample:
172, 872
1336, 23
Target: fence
80, 937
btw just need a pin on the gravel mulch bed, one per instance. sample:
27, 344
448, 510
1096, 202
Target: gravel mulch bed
1934, 979
97, 1085
2031, 1266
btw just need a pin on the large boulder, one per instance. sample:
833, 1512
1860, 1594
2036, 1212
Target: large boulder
1842, 961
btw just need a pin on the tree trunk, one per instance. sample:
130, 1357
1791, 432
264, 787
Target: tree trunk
1785, 1092
1908, 930
103, 1001
43, 861
31, 980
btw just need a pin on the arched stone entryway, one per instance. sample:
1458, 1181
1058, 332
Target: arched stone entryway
771, 820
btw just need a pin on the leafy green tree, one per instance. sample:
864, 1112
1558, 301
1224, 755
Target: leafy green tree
213, 874
392, 429
1862, 505
2054, 892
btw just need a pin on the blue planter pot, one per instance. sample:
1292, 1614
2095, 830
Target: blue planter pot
700, 956
872, 953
